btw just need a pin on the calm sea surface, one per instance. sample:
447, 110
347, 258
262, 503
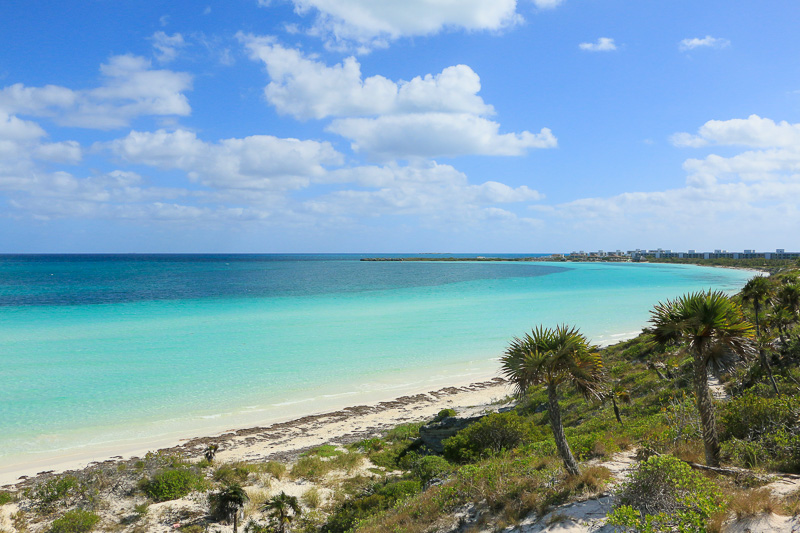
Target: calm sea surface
98, 350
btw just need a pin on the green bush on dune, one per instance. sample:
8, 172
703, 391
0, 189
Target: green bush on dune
75, 521
664, 494
750, 416
430, 467
490, 435
172, 484
761, 431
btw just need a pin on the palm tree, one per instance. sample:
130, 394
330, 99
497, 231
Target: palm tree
618, 392
278, 507
211, 452
229, 503
552, 357
788, 298
713, 330
758, 290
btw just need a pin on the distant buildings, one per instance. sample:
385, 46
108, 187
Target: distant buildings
660, 253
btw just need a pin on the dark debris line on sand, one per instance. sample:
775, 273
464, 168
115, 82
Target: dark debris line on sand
282, 431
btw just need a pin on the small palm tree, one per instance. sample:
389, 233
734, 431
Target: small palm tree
758, 290
211, 452
278, 510
618, 392
553, 357
788, 298
712, 329
229, 503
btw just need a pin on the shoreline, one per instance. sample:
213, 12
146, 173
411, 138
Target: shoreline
447, 394
14, 466
281, 440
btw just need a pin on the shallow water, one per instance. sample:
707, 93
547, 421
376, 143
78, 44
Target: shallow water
99, 350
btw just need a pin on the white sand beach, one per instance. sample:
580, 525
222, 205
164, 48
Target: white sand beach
284, 440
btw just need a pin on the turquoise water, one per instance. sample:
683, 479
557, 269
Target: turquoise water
105, 350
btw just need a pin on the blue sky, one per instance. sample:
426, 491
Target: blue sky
413, 126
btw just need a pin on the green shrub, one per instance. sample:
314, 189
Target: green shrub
589, 445
75, 521
275, 469
230, 473
312, 498
6, 497
750, 416
192, 528
491, 434
171, 484
346, 461
326, 450
385, 496
310, 467
430, 467
386, 453
368, 445
761, 431
54, 490
444, 413
400, 490
404, 432
665, 494
141, 509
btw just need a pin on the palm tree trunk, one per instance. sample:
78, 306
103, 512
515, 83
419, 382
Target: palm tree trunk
706, 409
554, 411
236, 521
766, 366
616, 410
756, 308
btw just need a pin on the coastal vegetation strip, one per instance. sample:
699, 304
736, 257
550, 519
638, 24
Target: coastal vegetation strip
768, 265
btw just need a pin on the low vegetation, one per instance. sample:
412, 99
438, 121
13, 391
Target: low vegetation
665, 494
75, 521
172, 484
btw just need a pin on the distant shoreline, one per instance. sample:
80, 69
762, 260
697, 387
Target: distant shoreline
550, 259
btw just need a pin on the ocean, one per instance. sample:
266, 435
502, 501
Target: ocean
108, 350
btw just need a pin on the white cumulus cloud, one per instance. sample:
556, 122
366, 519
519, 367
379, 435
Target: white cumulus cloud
547, 4
167, 46
306, 88
21, 144
425, 189
429, 116
603, 44
430, 135
724, 197
706, 42
754, 131
130, 88
369, 23
255, 162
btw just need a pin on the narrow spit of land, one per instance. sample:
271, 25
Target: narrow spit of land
756, 265
449, 259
